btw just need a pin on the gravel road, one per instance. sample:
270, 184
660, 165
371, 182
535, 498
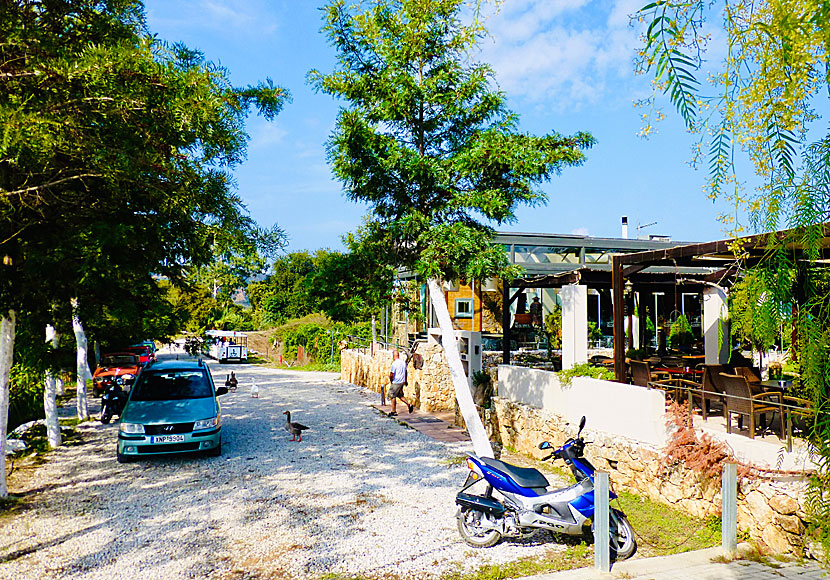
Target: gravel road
362, 495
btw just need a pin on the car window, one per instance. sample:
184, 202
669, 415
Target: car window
117, 361
171, 385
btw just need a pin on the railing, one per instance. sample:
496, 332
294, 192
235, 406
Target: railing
786, 405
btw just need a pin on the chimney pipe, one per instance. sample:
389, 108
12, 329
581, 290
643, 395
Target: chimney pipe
625, 227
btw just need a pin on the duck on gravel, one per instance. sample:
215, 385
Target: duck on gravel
296, 429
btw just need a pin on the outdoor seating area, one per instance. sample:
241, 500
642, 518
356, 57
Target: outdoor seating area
759, 407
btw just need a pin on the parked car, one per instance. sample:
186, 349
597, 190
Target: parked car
148, 343
144, 353
172, 408
119, 367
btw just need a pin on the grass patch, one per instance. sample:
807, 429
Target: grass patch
661, 529
37, 443
333, 367
455, 460
577, 556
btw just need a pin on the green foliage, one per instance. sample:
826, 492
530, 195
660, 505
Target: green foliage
584, 370
117, 157
594, 333
356, 285
425, 139
681, 333
757, 311
26, 387
553, 328
288, 292
319, 339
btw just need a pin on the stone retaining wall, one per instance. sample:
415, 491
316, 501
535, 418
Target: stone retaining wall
771, 510
430, 387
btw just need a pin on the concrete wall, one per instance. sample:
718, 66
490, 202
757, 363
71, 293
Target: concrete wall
614, 408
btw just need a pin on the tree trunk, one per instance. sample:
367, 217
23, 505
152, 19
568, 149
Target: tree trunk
374, 335
50, 405
481, 443
7, 330
83, 371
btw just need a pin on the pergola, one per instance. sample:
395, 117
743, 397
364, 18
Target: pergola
722, 258
556, 261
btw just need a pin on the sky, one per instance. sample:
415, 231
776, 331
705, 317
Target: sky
565, 66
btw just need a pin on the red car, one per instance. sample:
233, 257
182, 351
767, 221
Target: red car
143, 352
121, 367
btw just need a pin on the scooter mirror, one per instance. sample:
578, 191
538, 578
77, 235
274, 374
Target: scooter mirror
581, 425
545, 445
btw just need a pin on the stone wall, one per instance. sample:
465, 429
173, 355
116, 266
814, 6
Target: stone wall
430, 387
771, 510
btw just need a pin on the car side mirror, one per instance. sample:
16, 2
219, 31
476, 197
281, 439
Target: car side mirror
221, 391
545, 445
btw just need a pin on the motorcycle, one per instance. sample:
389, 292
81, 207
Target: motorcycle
112, 401
525, 505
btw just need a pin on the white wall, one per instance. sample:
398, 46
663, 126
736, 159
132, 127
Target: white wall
574, 325
626, 410
714, 307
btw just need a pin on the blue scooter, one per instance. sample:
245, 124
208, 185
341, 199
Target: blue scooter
524, 504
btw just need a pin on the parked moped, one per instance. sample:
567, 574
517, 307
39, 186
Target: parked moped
523, 504
112, 401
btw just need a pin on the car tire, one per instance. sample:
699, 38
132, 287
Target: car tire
215, 452
120, 458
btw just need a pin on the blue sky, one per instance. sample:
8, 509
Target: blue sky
565, 65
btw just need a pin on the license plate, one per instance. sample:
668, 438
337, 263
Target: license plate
167, 439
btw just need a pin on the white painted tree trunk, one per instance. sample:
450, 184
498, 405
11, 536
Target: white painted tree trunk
374, 335
83, 371
7, 331
481, 443
50, 405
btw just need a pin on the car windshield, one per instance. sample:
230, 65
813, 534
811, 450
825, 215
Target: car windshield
171, 385
117, 361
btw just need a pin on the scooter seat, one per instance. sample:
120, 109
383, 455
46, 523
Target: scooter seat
524, 476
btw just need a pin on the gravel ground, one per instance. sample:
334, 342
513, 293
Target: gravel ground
362, 495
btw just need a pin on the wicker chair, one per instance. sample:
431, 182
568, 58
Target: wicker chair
643, 376
711, 387
740, 400
799, 409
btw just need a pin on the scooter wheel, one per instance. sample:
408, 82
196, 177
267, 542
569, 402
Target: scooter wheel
622, 541
105, 419
473, 532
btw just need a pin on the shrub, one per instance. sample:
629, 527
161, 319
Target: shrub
25, 395
584, 370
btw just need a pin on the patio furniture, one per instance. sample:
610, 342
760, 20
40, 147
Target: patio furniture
710, 389
740, 399
643, 376
802, 410
752, 374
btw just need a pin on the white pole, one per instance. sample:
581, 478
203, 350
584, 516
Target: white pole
729, 508
602, 534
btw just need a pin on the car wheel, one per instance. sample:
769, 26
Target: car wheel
120, 458
215, 452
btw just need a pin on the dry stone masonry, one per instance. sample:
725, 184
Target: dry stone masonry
771, 510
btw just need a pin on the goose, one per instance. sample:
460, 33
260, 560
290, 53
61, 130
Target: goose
296, 429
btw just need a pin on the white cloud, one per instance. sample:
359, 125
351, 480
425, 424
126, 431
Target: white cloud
580, 232
250, 17
265, 134
562, 51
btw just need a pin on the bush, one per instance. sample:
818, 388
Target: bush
319, 338
25, 396
584, 370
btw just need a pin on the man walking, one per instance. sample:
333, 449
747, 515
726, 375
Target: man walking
397, 376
